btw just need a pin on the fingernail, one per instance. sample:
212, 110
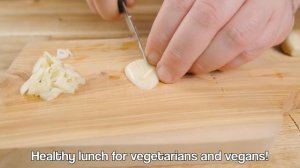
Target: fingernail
164, 74
153, 58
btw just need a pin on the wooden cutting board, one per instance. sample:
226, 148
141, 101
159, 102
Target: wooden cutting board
238, 110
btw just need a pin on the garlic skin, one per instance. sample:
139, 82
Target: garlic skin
142, 74
50, 77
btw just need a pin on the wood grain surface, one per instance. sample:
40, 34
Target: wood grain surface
17, 15
219, 111
115, 107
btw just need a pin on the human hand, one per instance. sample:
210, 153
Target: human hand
200, 36
108, 9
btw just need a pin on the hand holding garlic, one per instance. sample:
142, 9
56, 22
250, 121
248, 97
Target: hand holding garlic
201, 36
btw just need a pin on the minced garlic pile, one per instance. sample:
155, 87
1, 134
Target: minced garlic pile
50, 77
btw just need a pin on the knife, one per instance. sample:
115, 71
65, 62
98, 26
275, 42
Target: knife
123, 10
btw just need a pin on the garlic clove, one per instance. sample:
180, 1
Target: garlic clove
142, 74
291, 45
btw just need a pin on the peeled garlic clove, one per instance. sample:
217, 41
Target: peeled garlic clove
291, 45
142, 74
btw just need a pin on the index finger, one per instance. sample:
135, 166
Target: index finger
167, 21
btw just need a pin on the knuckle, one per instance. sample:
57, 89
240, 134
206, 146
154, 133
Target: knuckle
238, 36
198, 69
243, 32
157, 42
247, 56
158, 38
182, 5
173, 58
205, 13
176, 56
201, 66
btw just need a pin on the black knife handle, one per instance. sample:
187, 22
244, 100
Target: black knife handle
120, 6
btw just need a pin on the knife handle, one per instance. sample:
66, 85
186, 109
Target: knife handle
121, 6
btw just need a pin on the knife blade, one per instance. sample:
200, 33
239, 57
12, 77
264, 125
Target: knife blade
123, 10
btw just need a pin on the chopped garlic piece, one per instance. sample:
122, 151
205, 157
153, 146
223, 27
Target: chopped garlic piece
291, 45
37, 76
50, 77
63, 53
50, 95
142, 74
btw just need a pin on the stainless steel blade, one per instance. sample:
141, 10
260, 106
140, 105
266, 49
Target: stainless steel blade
133, 30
